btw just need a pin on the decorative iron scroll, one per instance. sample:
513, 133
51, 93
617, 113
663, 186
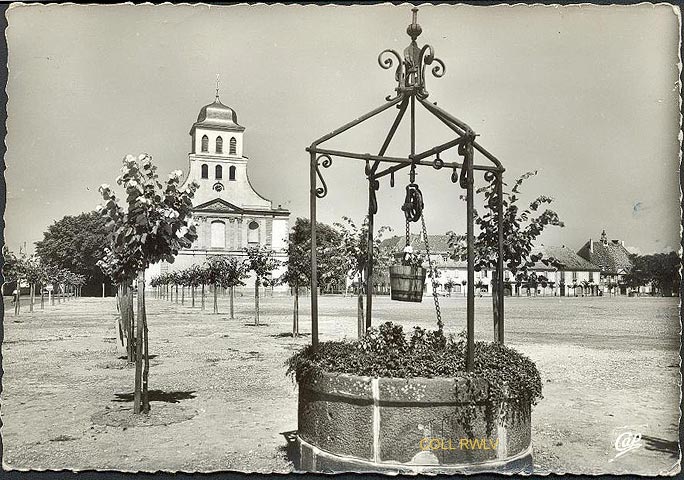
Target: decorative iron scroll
410, 71
327, 161
465, 149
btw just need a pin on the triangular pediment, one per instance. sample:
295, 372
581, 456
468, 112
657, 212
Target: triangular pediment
217, 205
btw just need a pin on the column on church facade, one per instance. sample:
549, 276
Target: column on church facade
230, 234
203, 238
226, 233
269, 231
262, 231
240, 233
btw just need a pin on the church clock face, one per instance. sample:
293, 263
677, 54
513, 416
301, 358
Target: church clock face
218, 186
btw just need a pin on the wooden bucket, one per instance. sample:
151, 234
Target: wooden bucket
407, 282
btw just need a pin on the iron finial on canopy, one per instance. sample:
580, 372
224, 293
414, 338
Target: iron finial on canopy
410, 71
414, 29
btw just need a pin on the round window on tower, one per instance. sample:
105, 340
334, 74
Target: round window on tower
218, 187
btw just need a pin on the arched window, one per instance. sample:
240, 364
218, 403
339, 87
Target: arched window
205, 170
219, 145
218, 234
233, 146
219, 172
231, 173
253, 232
205, 143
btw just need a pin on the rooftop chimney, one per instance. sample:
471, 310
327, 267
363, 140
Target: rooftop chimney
591, 246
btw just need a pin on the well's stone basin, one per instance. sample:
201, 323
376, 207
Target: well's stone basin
349, 423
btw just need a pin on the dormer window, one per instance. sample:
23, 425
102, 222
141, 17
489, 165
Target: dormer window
219, 171
231, 173
233, 146
219, 146
205, 144
205, 170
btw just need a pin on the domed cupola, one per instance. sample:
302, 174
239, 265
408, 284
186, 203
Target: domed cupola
217, 116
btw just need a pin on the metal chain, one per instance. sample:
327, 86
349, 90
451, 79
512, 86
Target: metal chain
408, 233
433, 275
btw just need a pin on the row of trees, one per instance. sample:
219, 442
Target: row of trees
660, 271
221, 272
62, 283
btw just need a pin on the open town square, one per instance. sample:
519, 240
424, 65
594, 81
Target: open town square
395, 239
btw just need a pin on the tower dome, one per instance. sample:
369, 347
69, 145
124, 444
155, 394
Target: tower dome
217, 116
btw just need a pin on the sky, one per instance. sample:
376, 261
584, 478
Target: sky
587, 95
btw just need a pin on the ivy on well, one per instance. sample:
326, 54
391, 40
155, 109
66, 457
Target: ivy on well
513, 379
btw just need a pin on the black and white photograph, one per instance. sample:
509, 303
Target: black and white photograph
375, 238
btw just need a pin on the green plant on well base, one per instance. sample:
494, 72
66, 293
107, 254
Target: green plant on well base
387, 352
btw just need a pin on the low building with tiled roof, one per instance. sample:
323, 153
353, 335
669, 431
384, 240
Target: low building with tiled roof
568, 273
612, 258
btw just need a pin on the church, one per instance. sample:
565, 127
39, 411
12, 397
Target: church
230, 215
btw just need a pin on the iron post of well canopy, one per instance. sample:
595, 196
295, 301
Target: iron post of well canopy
410, 75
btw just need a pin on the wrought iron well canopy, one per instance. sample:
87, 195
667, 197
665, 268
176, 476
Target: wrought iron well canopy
410, 75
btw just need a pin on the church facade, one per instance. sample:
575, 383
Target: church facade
230, 215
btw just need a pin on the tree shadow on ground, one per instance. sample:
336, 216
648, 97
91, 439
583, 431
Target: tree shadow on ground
260, 325
661, 445
157, 396
289, 334
290, 450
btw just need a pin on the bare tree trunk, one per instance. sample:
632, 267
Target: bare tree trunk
137, 394
295, 317
256, 301
42, 296
215, 298
203, 296
495, 310
232, 302
146, 351
17, 297
183, 295
176, 294
132, 337
361, 323
192, 295
33, 294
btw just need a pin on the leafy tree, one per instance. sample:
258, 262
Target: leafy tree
521, 228
13, 270
661, 270
33, 274
214, 275
76, 243
235, 271
298, 273
225, 272
352, 258
260, 261
153, 226
196, 278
